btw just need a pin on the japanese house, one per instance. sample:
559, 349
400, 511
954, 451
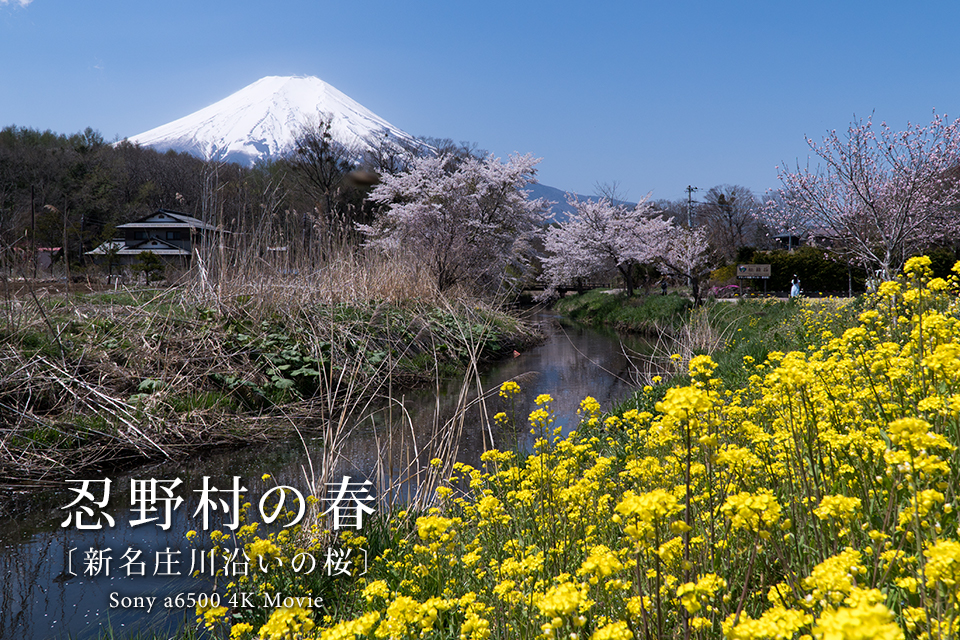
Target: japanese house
171, 235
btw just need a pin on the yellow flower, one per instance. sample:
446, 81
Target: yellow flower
540, 419
864, 622
613, 631
433, 527
645, 513
589, 407
264, 548
376, 589
212, 616
287, 622
702, 365
692, 594
351, 629
509, 389
562, 600
888, 289
838, 507
753, 512
474, 627
943, 564
778, 622
601, 562
682, 402
833, 578
918, 266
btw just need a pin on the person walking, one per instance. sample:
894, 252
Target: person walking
795, 287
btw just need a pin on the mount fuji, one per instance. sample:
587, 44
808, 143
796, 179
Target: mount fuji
262, 120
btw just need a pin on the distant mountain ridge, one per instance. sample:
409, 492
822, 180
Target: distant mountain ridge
561, 208
262, 120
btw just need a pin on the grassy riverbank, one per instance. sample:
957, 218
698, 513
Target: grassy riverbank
92, 380
814, 499
730, 331
649, 315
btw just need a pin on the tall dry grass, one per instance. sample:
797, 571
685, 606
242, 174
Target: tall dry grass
292, 263
115, 393
673, 347
302, 258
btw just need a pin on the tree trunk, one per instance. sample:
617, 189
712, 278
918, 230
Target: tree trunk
627, 280
695, 290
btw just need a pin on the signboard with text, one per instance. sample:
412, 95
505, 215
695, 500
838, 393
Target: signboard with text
753, 271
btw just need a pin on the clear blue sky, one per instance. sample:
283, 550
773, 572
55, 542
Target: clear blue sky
651, 95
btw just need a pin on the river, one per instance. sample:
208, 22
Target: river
62, 579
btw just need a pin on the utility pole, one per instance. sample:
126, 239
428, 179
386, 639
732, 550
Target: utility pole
690, 191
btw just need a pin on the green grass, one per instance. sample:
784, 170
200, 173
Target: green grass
204, 401
751, 329
640, 314
755, 328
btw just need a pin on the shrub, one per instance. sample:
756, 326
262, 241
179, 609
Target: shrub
150, 265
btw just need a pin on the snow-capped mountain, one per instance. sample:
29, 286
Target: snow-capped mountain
262, 120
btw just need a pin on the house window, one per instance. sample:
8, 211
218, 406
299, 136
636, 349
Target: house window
173, 235
139, 235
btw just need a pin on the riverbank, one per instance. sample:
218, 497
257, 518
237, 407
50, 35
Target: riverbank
97, 380
651, 315
730, 331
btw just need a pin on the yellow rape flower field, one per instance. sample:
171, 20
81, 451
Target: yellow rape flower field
816, 501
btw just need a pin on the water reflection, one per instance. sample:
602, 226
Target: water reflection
39, 599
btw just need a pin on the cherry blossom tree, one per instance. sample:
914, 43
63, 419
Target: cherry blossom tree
879, 196
787, 221
600, 236
465, 219
686, 254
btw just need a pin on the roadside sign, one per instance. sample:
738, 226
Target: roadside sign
753, 271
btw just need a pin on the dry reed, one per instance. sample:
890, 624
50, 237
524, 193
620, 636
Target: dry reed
674, 347
113, 391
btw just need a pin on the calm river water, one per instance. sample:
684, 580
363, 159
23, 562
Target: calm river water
61, 582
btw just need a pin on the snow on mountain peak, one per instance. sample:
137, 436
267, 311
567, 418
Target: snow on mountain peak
262, 120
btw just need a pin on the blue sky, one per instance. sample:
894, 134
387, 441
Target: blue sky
651, 95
